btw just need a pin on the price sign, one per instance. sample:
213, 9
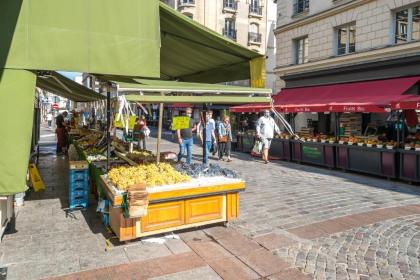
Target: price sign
180, 123
119, 123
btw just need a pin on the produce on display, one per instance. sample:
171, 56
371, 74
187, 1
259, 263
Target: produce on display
141, 156
149, 174
196, 170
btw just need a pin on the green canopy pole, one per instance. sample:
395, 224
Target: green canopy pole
159, 133
108, 126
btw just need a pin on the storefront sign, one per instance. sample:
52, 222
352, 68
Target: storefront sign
180, 123
312, 153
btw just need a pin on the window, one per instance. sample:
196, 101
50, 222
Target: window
300, 6
230, 4
255, 7
186, 2
346, 39
407, 25
301, 50
254, 35
229, 30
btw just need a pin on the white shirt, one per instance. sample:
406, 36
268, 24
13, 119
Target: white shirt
49, 117
266, 127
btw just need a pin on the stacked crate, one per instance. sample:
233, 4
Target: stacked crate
78, 184
352, 124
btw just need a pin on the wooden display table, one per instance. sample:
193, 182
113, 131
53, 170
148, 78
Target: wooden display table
199, 202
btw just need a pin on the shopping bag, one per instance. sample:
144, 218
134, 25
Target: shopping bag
257, 149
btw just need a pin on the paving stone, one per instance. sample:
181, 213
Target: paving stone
232, 268
180, 262
209, 250
263, 262
146, 251
204, 273
177, 246
274, 241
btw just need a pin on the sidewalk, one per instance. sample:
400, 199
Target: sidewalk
296, 222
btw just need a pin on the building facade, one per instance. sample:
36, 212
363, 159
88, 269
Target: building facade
332, 41
244, 21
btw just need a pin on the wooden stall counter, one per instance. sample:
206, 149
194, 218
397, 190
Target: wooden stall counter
200, 202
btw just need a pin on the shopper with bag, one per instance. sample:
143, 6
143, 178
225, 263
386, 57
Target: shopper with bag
224, 130
266, 127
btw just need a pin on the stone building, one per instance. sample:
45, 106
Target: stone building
244, 21
314, 37
323, 42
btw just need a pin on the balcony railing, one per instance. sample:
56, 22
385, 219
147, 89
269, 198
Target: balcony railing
230, 33
186, 3
255, 10
254, 37
300, 6
230, 5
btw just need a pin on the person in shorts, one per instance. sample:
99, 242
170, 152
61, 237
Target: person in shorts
266, 127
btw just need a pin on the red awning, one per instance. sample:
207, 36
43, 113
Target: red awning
249, 108
180, 105
407, 102
369, 96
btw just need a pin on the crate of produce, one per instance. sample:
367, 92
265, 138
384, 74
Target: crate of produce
79, 202
78, 175
80, 164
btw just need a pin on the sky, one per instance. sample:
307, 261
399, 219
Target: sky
70, 75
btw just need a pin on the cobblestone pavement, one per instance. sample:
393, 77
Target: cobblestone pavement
296, 222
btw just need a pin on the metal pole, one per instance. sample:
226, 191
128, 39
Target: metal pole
203, 127
108, 127
159, 133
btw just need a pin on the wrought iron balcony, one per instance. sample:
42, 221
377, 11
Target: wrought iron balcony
255, 10
254, 37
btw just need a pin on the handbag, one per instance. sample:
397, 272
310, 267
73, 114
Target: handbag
223, 138
257, 149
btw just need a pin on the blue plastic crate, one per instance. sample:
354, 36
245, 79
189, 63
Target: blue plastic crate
78, 175
73, 203
79, 193
77, 185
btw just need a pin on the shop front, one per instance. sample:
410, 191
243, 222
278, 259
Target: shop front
359, 126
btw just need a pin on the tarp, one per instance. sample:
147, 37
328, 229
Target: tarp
95, 36
17, 94
408, 102
193, 53
60, 85
157, 91
250, 108
158, 86
369, 96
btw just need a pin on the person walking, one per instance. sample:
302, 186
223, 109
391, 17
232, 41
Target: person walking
139, 132
225, 138
266, 127
61, 133
185, 138
49, 119
210, 135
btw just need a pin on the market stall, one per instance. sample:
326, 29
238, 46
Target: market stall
351, 126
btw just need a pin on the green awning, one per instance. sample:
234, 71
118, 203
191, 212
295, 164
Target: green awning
60, 85
94, 36
193, 53
17, 94
158, 91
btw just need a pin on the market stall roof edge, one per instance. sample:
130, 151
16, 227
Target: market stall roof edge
369, 96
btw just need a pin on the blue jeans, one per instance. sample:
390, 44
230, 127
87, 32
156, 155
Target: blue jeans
208, 148
186, 144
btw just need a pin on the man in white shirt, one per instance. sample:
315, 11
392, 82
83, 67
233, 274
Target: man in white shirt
266, 127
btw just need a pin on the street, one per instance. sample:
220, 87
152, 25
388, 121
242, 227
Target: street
295, 222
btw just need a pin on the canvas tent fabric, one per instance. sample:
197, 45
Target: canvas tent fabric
62, 86
17, 94
94, 36
369, 96
157, 91
193, 53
